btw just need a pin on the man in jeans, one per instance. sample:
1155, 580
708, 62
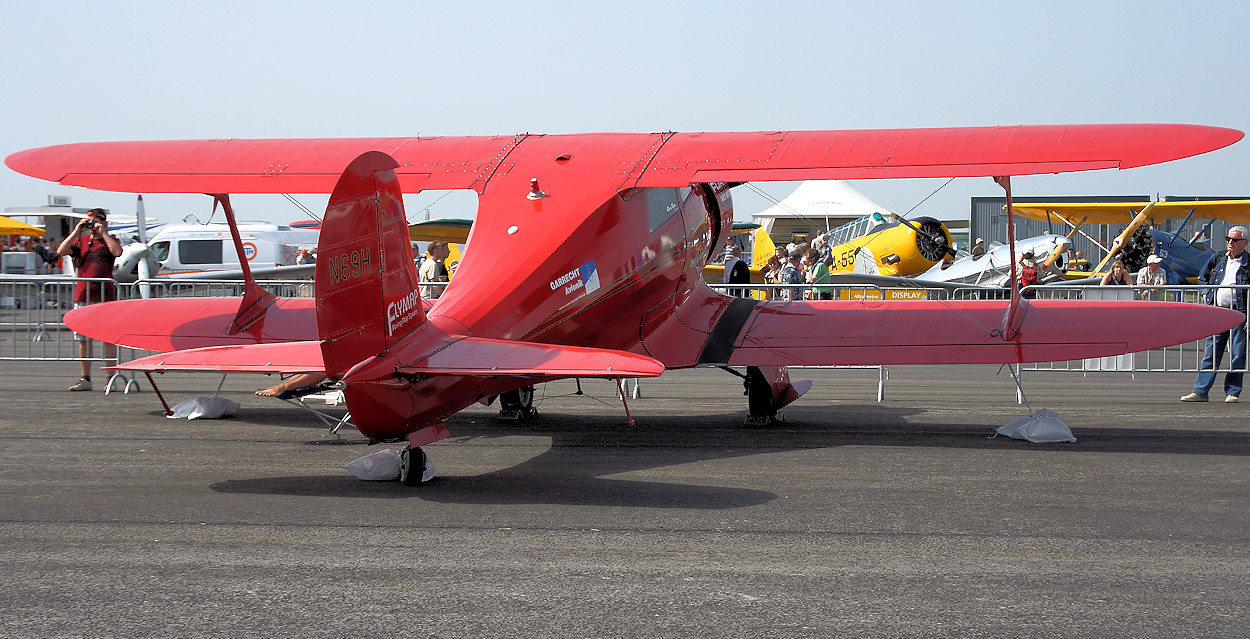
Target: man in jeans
1227, 268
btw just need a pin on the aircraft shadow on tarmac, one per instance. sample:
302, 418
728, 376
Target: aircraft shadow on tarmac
586, 449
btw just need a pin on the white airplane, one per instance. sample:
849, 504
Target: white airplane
993, 269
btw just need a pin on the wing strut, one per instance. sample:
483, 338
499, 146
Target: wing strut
255, 299
1005, 182
1017, 309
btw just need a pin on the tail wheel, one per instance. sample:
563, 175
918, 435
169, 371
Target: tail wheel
759, 392
415, 467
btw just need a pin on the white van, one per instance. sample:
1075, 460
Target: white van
183, 249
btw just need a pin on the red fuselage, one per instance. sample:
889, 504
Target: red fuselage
583, 291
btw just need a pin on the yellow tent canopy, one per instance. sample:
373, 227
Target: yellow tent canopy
10, 226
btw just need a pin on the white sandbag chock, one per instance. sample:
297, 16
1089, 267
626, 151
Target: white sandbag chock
380, 466
1041, 427
204, 408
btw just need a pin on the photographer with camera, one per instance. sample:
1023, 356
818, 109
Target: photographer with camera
93, 251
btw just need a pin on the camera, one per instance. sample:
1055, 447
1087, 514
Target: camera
89, 224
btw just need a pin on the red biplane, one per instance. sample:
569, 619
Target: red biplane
586, 261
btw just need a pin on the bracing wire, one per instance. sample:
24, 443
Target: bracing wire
290, 198
440, 199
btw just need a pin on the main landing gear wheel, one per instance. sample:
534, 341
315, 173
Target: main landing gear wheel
415, 467
518, 404
761, 411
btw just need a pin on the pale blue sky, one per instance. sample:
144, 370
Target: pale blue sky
88, 71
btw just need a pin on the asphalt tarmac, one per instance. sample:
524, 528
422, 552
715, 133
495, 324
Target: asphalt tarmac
851, 519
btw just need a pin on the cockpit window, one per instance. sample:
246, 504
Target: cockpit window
662, 203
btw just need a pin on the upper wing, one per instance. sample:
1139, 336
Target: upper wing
643, 160
1124, 212
924, 153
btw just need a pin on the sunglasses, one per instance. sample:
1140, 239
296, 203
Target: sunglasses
1234, 239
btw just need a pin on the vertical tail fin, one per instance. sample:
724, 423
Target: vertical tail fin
367, 295
763, 249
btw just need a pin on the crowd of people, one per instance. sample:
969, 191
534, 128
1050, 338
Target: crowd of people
42, 247
1118, 274
807, 268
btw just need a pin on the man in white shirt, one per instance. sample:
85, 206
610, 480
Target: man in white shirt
1227, 268
434, 269
1152, 274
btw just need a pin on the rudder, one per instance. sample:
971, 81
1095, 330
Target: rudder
367, 295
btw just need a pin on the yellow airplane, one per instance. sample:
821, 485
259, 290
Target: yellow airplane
1137, 241
905, 247
762, 248
893, 248
899, 249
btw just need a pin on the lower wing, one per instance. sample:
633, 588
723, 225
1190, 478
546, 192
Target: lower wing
468, 356
177, 323
965, 332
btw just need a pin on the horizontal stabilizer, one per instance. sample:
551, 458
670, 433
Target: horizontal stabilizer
495, 357
287, 358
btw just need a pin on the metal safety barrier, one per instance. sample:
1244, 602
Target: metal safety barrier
30, 318
1184, 358
32, 307
784, 292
